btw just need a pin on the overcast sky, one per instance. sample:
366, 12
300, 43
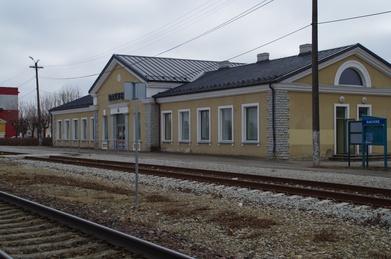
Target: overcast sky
74, 39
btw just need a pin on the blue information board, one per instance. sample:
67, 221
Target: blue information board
374, 132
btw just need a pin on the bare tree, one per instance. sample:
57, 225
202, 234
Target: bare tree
67, 94
28, 119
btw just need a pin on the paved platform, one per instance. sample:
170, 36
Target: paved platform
376, 168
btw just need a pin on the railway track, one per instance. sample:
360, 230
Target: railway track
31, 230
376, 197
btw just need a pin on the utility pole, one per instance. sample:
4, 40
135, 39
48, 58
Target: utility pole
315, 88
36, 67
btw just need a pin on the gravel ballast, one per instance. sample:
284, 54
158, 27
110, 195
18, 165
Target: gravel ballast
208, 221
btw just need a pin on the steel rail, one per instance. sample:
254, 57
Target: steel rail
130, 243
239, 176
281, 188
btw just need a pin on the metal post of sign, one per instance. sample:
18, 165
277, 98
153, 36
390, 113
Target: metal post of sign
135, 91
136, 152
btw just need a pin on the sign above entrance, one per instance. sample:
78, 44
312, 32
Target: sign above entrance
116, 96
135, 90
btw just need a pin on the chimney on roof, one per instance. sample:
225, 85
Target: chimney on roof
224, 64
305, 48
263, 56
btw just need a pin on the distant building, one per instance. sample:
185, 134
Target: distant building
261, 109
8, 111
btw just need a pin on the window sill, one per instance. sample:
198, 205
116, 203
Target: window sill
226, 143
184, 142
251, 143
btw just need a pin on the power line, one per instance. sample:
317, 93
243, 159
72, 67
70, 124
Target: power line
161, 30
270, 42
241, 15
226, 23
356, 17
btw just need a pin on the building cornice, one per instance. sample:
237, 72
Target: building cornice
215, 94
332, 89
78, 110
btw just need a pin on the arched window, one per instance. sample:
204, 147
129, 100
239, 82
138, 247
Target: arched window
350, 77
352, 73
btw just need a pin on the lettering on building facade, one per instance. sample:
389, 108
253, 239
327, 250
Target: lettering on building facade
116, 96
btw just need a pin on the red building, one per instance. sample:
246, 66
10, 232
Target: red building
9, 110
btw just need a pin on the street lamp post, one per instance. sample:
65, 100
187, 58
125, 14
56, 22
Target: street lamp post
36, 67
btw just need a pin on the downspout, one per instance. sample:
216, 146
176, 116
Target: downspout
51, 129
273, 118
158, 125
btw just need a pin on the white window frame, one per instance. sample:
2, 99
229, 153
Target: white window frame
163, 126
92, 128
75, 129
347, 112
180, 125
59, 129
244, 124
359, 68
220, 127
199, 125
67, 129
84, 127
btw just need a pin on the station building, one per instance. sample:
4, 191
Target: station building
262, 109
8, 111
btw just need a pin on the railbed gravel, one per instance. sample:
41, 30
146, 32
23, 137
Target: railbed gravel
332, 221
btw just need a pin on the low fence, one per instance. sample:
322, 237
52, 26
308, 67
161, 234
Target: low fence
25, 142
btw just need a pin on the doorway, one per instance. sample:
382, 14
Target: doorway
341, 118
120, 131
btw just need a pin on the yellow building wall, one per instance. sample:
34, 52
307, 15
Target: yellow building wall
237, 148
327, 74
81, 142
2, 129
300, 122
115, 84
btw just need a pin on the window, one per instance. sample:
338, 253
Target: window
59, 129
203, 128
250, 123
75, 129
166, 126
350, 77
226, 124
105, 127
352, 73
92, 129
84, 128
184, 125
67, 130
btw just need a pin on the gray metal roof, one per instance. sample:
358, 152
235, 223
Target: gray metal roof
262, 72
167, 69
82, 102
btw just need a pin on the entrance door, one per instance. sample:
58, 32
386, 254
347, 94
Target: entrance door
341, 122
120, 136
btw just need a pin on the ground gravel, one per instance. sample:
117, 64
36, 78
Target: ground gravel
208, 221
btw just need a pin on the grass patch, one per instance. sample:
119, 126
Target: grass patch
325, 235
232, 219
157, 198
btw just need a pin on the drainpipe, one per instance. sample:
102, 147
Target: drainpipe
273, 117
158, 126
